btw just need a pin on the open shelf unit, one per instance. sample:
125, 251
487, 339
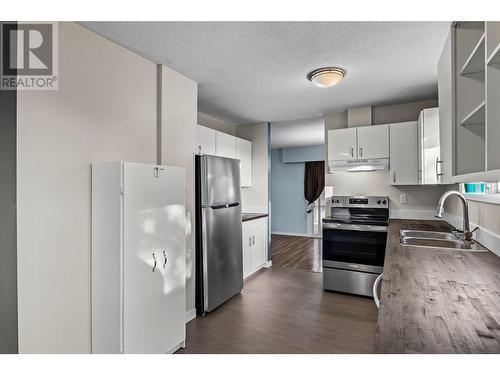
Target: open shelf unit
470, 96
494, 57
476, 116
475, 62
492, 115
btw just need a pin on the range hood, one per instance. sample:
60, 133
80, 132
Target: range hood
360, 165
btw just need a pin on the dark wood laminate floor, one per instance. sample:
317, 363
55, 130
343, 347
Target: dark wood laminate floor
299, 253
282, 310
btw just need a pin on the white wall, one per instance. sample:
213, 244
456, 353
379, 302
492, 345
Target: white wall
419, 198
105, 109
255, 198
179, 102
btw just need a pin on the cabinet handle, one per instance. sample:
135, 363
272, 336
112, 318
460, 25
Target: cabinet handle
361, 152
154, 264
253, 240
199, 149
438, 174
352, 152
165, 257
394, 176
249, 241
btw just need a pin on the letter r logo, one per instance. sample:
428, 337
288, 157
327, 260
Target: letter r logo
27, 49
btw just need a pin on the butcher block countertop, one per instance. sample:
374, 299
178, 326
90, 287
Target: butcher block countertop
437, 301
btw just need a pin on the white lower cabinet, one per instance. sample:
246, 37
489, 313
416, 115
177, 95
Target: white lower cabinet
254, 245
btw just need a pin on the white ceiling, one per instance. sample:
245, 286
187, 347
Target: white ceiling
297, 133
255, 71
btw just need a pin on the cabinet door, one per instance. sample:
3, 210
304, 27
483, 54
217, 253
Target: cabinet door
247, 255
429, 146
244, 153
153, 231
205, 140
225, 145
373, 142
403, 151
259, 253
445, 96
342, 144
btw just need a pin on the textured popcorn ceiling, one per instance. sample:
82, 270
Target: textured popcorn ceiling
255, 71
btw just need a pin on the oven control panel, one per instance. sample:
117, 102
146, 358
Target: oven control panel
360, 201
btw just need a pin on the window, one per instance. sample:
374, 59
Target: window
482, 191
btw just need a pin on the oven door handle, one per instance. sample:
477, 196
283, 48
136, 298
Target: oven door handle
376, 296
356, 227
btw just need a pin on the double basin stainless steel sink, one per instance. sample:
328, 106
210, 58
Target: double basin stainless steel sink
437, 240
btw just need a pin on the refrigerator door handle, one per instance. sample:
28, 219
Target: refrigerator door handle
154, 264
165, 259
217, 207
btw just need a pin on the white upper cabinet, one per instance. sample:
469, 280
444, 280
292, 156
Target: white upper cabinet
342, 144
428, 147
226, 145
213, 142
373, 142
365, 142
445, 97
244, 153
403, 151
205, 140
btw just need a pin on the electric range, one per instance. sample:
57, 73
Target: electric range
354, 239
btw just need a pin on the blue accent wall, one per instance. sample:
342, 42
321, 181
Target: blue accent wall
287, 195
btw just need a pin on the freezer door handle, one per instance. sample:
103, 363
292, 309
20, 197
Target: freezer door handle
225, 206
154, 262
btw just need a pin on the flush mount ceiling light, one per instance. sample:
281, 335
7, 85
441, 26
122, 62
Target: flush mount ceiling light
326, 77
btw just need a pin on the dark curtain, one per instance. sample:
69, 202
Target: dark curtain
314, 180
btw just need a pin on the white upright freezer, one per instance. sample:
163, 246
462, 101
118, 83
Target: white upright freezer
138, 258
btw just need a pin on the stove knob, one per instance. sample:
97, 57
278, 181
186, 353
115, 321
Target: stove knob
378, 202
384, 201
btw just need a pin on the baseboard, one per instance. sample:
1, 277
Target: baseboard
413, 214
485, 237
268, 264
294, 234
190, 315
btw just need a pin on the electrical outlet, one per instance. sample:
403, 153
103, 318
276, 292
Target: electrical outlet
402, 198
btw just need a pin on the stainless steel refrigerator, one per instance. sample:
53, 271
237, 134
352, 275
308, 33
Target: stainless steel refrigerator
219, 263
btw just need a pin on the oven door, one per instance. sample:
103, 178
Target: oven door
354, 246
